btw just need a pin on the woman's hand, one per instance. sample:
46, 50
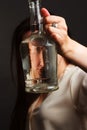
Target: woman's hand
66, 46
59, 33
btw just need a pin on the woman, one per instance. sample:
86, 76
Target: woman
65, 108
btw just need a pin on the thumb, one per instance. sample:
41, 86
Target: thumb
44, 12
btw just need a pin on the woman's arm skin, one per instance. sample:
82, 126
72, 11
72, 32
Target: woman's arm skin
67, 47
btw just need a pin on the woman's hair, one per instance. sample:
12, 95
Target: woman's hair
24, 99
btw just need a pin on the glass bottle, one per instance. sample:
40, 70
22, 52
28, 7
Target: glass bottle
39, 56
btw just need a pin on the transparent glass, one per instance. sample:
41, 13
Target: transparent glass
39, 61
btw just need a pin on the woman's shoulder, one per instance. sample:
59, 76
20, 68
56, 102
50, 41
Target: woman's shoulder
79, 73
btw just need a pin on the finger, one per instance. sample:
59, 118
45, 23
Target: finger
54, 19
45, 12
58, 35
55, 28
54, 31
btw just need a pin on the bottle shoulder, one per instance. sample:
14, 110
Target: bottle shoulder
39, 39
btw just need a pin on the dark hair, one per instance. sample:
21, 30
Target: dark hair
24, 100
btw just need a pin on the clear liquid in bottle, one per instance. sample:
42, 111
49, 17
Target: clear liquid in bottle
39, 60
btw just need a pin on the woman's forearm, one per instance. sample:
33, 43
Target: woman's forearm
76, 53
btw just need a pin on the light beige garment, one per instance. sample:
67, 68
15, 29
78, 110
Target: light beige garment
65, 108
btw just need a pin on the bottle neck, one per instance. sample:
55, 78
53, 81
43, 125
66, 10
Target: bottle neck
35, 16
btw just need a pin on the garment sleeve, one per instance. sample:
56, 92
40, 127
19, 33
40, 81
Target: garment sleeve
83, 95
79, 89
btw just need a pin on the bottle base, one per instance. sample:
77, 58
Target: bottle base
41, 88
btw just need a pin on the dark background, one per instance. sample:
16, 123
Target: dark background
12, 12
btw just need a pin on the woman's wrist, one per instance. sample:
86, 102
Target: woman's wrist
68, 47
